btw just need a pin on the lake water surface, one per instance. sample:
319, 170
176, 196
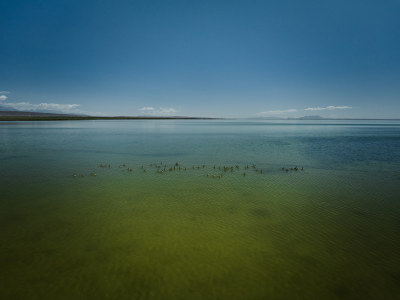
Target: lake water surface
184, 209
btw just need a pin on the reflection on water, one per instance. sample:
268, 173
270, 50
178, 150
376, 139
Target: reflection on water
330, 231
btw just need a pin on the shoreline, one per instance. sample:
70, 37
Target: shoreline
79, 118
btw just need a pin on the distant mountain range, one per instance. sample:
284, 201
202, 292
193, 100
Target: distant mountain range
14, 115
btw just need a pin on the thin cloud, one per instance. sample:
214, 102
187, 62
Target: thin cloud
327, 108
49, 107
161, 111
168, 110
148, 108
277, 112
43, 107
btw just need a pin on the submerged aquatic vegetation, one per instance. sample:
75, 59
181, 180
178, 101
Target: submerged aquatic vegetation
253, 214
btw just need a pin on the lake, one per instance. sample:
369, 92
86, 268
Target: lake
200, 209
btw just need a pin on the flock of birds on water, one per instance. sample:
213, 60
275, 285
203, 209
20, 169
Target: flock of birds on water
216, 171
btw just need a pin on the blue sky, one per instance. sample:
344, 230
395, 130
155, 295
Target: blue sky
202, 58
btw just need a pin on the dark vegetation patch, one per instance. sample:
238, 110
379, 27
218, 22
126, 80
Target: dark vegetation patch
261, 212
341, 291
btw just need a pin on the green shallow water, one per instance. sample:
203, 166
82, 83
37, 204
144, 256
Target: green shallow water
331, 231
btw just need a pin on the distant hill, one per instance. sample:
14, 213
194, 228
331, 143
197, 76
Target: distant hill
7, 115
17, 113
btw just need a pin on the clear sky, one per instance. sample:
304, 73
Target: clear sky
338, 58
